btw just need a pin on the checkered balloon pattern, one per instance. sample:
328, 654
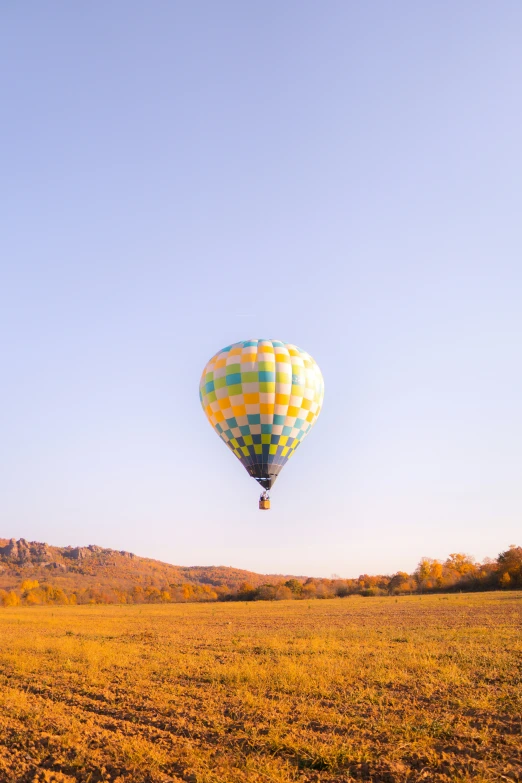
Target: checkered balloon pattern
262, 397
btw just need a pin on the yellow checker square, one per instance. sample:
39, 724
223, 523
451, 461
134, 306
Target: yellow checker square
239, 410
245, 451
266, 408
251, 399
272, 449
258, 449
292, 411
282, 399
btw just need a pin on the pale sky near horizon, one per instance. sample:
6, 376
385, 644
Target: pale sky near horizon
345, 176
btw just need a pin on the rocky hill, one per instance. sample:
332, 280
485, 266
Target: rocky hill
93, 566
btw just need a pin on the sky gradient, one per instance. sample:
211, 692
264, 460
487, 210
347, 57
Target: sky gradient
343, 176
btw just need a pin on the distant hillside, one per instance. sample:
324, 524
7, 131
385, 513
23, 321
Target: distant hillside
33, 573
72, 568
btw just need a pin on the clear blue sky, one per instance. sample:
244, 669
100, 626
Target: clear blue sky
345, 176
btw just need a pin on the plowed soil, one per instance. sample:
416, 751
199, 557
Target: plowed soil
388, 690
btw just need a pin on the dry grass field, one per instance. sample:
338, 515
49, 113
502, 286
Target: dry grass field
379, 689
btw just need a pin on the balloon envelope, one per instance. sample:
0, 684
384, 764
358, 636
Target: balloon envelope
262, 397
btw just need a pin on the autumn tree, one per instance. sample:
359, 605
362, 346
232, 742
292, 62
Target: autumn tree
295, 586
510, 563
399, 581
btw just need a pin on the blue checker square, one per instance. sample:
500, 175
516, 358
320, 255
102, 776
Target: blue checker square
219, 428
286, 430
279, 419
245, 429
233, 379
228, 433
254, 418
299, 423
256, 439
266, 376
266, 429
232, 422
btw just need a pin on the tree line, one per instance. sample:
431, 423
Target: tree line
459, 572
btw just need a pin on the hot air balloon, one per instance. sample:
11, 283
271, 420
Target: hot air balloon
262, 397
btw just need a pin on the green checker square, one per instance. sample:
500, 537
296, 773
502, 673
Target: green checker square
265, 439
248, 440
267, 387
236, 389
249, 377
232, 368
211, 397
209, 377
219, 383
267, 366
234, 443
258, 449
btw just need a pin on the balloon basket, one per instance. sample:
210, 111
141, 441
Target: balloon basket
264, 505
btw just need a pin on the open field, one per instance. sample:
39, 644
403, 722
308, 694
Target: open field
378, 689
